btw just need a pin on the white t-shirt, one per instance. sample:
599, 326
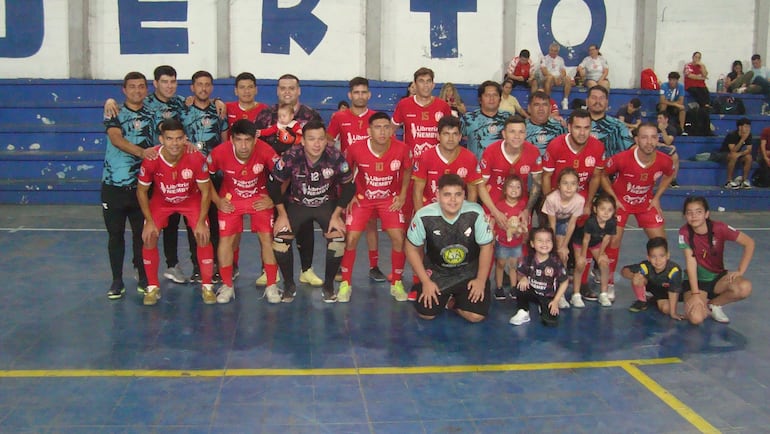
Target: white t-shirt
553, 65
553, 206
594, 68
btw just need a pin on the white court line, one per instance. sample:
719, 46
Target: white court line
25, 229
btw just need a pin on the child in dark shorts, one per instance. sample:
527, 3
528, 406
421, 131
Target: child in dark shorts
659, 275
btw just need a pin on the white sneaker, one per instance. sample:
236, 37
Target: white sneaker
718, 314
175, 274
577, 300
564, 104
225, 294
611, 292
273, 294
563, 303
521, 317
604, 299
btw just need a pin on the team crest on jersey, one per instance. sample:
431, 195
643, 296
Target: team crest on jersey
590, 161
525, 169
438, 116
454, 254
205, 122
658, 218
541, 138
257, 168
141, 171
492, 129
463, 172
187, 174
137, 124
327, 172
548, 271
610, 162
395, 165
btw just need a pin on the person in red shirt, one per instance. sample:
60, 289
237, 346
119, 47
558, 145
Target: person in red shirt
352, 126
447, 157
246, 107
695, 76
519, 70
511, 156
637, 171
382, 167
180, 184
286, 130
244, 162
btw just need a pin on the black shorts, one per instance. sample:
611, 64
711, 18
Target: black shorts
660, 293
462, 302
705, 286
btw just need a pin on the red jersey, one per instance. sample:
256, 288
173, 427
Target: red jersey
349, 127
236, 113
496, 165
243, 179
378, 177
420, 123
174, 184
501, 235
635, 183
522, 70
432, 165
560, 154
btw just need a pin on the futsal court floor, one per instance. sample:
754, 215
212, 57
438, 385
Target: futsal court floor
72, 361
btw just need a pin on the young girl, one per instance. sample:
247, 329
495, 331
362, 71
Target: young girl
287, 129
708, 281
594, 237
544, 280
563, 206
508, 239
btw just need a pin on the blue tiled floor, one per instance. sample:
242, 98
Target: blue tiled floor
54, 315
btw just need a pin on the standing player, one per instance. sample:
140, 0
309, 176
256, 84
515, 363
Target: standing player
449, 246
637, 171
382, 169
511, 156
205, 129
288, 91
246, 107
447, 157
130, 137
541, 128
319, 185
484, 125
180, 185
608, 129
352, 126
584, 153
245, 162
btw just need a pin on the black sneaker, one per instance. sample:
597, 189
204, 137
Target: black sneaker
328, 296
588, 294
376, 275
500, 294
674, 184
196, 276
216, 277
116, 291
288, 294
638, 306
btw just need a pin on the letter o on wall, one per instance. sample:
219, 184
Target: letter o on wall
595, 35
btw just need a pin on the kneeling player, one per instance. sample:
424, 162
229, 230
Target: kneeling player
455, 236
382, 178
245, 163
180, 185
658, 275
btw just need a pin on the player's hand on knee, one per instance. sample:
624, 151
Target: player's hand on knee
429, 296
263, 203
281, 225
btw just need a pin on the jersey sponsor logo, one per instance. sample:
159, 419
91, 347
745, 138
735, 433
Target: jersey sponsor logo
395, 165
637, 189
454, 254
437, 233
187, 174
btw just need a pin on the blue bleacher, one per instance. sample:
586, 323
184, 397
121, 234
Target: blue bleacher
53, 139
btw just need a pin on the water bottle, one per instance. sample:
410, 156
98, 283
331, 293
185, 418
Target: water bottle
721, 84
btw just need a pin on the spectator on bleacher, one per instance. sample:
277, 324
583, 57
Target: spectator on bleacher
736, 149
695, 76
631, 113
759, 83
411, 90
608, 129
552, 71
594, 69
484, 125
246, 106
519, 71
737, 79
761, 177
449, 94
672, 99
666, 133
509, 103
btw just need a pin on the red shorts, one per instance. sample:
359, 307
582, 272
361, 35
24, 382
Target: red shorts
188, 209
363, 211
647, 219
232, 223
